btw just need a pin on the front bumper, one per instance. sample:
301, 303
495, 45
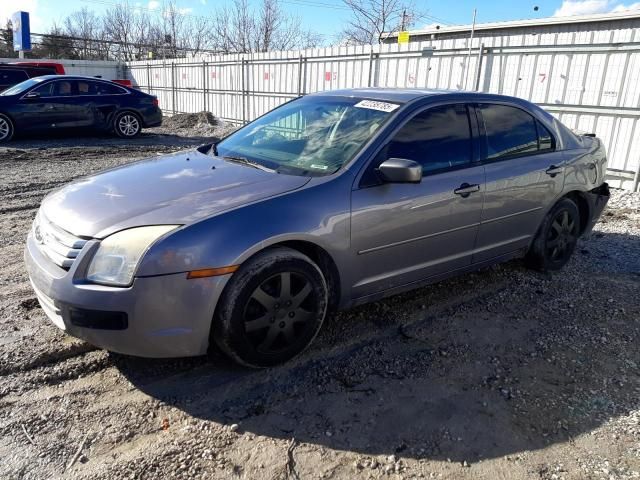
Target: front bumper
167, 316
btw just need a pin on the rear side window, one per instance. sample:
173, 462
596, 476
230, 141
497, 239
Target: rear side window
103, 88
546, 142
11, 77
509, 131
86, 88
438, 138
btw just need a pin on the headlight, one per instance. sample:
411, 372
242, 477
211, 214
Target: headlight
117, 257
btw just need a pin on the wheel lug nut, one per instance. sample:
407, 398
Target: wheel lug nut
292, 314
282, 324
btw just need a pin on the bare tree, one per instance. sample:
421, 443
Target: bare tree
371, 18
128, 27
6, 41
85, 27
243, 29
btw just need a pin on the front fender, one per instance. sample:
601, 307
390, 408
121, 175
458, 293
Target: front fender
318, 214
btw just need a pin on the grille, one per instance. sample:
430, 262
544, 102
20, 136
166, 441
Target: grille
60, 246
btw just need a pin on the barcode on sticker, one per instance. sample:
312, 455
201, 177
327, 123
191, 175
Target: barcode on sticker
373, 105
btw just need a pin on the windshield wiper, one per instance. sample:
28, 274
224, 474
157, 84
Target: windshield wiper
246, 161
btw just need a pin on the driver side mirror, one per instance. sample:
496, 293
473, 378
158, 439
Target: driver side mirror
32, 95
400, 170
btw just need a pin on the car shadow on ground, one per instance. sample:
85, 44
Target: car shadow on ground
82, 139
488, 364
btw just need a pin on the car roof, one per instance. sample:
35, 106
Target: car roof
72, 77
402, 95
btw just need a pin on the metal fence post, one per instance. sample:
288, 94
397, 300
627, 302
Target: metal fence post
300, 75
204, 85
148, 78
244, 91
173, 88
370, 66
479, 67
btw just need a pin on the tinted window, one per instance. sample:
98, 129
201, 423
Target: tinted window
86, 88
61, 88
545, 139
510, 131
103, 88
437, 138
10, 77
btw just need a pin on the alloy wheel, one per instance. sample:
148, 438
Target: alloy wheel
128, 125
280, 312
5, 128
562, 236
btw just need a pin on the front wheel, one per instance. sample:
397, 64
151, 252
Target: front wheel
271, 309
556, 238
6, 128
127, 124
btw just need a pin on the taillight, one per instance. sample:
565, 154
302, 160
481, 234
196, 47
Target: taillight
155, 102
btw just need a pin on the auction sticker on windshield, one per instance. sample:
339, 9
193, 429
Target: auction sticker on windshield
373, 105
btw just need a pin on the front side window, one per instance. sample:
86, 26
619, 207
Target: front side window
438, 139
509, 131
309, 136
60, 88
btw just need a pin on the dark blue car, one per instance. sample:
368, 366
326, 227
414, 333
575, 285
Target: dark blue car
55, 103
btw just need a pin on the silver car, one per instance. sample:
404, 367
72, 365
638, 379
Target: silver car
331, 200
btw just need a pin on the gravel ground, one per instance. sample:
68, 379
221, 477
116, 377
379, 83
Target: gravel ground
500, 374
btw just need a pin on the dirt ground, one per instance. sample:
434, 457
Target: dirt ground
500, 374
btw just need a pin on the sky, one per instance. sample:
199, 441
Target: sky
327, 16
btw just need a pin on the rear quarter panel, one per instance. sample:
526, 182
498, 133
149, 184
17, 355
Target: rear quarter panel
585, 167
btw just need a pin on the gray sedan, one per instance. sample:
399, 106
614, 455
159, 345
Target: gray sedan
331, 200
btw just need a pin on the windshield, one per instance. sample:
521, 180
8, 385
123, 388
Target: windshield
308, 136
22, 86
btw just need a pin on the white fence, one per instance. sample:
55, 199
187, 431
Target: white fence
106, 69
591, 87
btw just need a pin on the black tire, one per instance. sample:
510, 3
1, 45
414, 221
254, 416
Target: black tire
281, 324
6, 128
127, 124
556, 238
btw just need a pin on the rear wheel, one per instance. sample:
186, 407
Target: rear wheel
272, 308
127, 124
6, 128
557, 237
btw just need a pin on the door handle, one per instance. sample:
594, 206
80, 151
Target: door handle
466, 189
553, 170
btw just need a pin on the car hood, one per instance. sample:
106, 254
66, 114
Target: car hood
180, 189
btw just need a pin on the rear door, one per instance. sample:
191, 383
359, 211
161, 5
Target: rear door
403, 233
524, 176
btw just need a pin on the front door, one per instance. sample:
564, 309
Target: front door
56, 105
403, 233
524, 176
